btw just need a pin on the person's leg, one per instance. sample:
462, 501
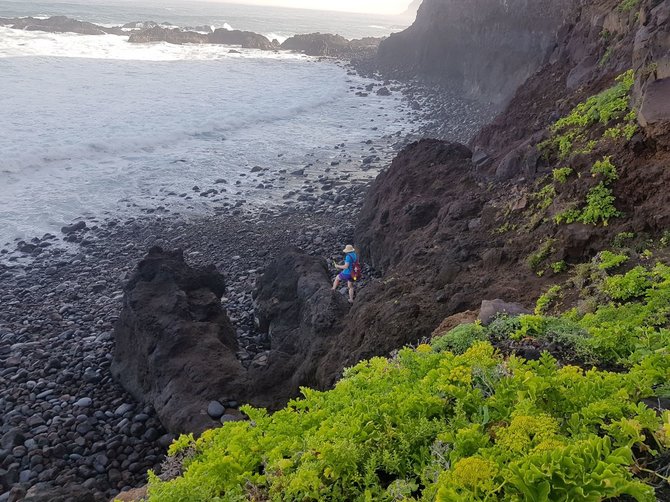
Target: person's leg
336, 283
351, 291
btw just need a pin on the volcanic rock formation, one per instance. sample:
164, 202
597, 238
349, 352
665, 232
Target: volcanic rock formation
486, 48
175, 346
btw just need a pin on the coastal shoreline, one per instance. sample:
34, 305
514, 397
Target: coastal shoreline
67, 421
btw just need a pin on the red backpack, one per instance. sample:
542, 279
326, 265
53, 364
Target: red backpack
356, 270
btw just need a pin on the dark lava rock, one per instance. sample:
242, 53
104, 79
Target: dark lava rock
60, 24
296, 306
492, 308
69, 229
326, 44
43, 492
175, 346
246, 39
446, 43
169, 35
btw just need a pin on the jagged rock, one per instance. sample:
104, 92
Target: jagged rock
491, 308
522, 161
326, 44
175, 346
295, 305
69, 229
246, 39
59, 24
651, 60
460, 44
43, 492
169, 35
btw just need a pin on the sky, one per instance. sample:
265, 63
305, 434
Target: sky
374, 6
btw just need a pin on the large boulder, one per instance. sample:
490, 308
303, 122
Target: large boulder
60, 24
245, 39
175, 346
169, 35
295, 304
328, 45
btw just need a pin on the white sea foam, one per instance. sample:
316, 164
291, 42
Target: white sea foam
95, 125
18, 43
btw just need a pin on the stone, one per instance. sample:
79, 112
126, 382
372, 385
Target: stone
492, 308
84, 402
215, 410
12, 438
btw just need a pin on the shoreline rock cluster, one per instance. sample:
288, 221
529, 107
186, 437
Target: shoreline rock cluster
66, 421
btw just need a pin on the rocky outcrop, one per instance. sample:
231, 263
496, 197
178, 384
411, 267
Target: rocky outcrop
486, 48
169, 35
59, 24
327, 45
43, 492
651, 60
412, 9
175, 346
304, 318
245, 39
426, 226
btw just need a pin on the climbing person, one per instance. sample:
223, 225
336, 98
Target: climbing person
351, 270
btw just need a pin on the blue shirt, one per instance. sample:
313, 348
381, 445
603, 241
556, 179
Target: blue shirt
350, 260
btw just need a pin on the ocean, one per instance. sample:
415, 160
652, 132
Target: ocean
95, 127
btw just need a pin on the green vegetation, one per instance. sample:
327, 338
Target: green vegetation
543, 252
622, 238
569, 134
559, 266
628, 5
605, 169
430, 424
599, 206
562, 174
547, 299
610, 260
461, 338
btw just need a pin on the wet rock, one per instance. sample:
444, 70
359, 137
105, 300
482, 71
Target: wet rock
69, 229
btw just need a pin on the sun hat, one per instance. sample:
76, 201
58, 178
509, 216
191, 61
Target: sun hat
349, 249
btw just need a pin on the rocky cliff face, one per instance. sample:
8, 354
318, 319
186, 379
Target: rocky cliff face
487, 48
450, 227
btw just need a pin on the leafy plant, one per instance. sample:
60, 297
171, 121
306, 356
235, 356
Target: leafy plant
630, 285
559, 266
544, 301
599, 206
605, 169
610, 260
430, 425
543, 252
460, 339
561, 175
628, 5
